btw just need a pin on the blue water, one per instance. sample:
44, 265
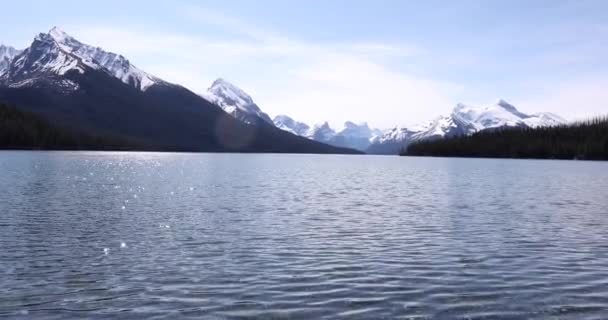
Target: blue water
231, 236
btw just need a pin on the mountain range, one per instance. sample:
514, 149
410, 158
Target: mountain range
78, 86
352, 135
241, 106
464, 120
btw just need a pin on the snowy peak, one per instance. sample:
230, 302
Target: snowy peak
59, 35
544, 119
323, 127
7, 54
349, 124
354, 130
56, 53
504, 104
352, 135
322, 132
501, 114
230, 92
466, 120
43, 57
288, 124
510, 108
236, 102
116, 64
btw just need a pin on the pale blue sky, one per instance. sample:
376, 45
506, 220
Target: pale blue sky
387, 62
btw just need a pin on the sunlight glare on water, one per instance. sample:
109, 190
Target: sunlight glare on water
92, 235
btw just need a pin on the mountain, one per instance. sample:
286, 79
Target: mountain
236, 103
55, 53
288, 124
583, 140
354, 136
321, 132
464, 120
77, 86
21, 130
96, 57
6, 56
241, 106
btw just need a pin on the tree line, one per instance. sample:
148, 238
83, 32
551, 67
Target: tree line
23, 130
585, 140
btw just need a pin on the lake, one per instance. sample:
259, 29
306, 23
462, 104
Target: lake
242, 236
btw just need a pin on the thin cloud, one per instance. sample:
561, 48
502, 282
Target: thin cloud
383, 83
324, 82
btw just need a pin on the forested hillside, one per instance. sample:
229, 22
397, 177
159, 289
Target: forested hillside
586, 140
24, 130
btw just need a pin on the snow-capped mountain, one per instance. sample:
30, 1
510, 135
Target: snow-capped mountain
118, 65
288, 124
362, 130
322, 133
354, 136
240, 105
357, 136
354, 130
236, 102
81, 87
6, 56
56, 53
464, 120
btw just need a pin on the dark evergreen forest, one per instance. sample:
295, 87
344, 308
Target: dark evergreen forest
27, 131
587, 140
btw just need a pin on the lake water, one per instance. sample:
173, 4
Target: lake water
231, 236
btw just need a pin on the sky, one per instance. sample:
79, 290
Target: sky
386, 62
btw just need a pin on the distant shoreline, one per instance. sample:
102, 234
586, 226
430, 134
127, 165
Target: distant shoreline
587, 140
189, 152
497, 158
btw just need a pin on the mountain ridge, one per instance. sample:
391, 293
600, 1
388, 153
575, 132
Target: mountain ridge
463, 120
68, 73
74, 85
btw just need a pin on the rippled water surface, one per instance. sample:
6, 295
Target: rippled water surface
229, 236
